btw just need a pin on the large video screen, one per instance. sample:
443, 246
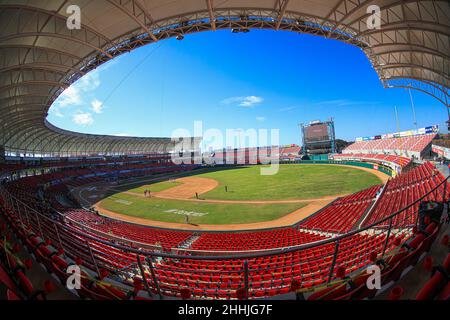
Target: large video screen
317, 132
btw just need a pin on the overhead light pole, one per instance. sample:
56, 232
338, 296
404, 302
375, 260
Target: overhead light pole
413, 108
396, 119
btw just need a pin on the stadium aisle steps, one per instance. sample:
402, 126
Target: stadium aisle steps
379, 196
343, 214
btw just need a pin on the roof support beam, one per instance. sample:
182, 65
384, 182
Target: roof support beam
414, 66
280, 7
19, 125
212, 18
414, 86
43, 27
34, 82
329, 16
414, 49
134, 10
409, 45
60, 19
55, 35
406, 25
401, 3
37, 48
41, 66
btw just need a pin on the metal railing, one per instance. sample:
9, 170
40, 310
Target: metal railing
259, 273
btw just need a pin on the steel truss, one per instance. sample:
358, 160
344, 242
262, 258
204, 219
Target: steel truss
411, 49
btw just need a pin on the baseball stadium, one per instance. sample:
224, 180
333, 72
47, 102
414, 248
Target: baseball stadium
87, 216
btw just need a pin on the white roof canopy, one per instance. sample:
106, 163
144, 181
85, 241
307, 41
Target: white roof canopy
40, 56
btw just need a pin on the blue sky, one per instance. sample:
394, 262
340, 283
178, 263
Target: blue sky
262, 79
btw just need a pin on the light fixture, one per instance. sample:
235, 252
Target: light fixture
238, 30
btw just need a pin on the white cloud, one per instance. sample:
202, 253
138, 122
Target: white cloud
247, 102
287, 109
89, 82
56, 112
70, 96
97, 106
73, 96
83, 119
261, 119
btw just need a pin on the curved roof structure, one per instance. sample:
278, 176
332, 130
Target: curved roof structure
40, 56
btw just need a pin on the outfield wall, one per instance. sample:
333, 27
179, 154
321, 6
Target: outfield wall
372, 166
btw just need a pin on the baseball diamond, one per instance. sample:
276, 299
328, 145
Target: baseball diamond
199, 153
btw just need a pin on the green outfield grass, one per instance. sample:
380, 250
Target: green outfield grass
156, 187
244, 183
292, 182
216, 213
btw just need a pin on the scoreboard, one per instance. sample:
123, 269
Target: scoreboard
318, 132
319, 137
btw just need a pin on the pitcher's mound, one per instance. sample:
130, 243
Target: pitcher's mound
188, 188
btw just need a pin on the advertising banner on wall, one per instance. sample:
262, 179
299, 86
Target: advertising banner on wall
441, 151
408, 133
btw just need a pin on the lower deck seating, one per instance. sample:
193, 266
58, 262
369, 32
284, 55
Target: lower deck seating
403, 162
166, 239
392, 266
339, 218
105, 249
403, 191
417, 143
343, 214
257, 240
273, 275
15, 283
438, 284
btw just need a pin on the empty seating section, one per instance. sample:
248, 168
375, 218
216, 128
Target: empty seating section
165, 238
291, 152
253, 155
403, 191
343, 214
100, 244
413, 143
438, 286
337, 218
379, 158
392, 266
367, 194
153, 158
258, 240
268, 276
413, 176
15, 283
59, 249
